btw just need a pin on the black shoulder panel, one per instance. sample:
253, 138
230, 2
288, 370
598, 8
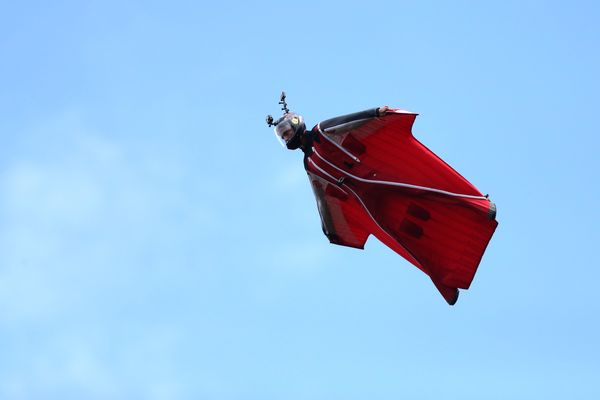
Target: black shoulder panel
344, 119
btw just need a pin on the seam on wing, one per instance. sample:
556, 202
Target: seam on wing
399, 184
352, 156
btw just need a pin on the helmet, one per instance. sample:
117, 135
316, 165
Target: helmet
289, 130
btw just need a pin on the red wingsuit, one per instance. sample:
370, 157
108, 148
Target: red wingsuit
371, 176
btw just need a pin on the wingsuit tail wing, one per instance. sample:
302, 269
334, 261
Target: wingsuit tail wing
450, 294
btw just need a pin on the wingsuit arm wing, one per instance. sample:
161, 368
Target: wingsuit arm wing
386, 144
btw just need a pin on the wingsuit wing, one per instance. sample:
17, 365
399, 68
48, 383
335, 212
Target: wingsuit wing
342, 217
435, 218
386, 145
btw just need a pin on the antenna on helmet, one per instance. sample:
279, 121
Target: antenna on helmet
283, 103
284, 108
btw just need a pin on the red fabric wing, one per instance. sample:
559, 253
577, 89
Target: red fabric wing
444, 235
386, 146
343, 219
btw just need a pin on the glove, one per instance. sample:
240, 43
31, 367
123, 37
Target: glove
381, 111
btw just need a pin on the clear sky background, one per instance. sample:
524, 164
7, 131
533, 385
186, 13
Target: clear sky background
156, 242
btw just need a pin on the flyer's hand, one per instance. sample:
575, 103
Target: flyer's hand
381, 111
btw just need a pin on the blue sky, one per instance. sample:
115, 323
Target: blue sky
156, 242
